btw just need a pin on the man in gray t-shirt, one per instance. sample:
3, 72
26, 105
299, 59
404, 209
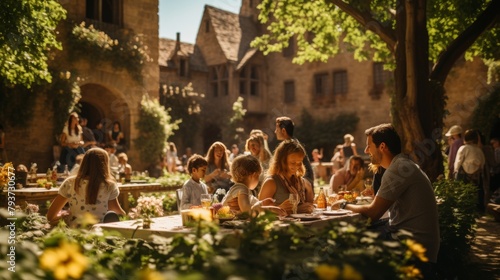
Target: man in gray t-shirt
406, 192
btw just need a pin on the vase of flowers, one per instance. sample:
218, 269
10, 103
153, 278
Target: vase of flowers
147, 208
6, 175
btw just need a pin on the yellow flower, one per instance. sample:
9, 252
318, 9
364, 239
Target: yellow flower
149, 274
327, 272
411, 272
201, 214
350, 273
64, 261
87, 219
417, 249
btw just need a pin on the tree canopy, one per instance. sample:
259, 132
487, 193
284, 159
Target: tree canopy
368, 28
407, 36
27, 35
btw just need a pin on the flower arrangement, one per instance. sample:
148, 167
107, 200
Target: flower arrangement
6, 172
147, 208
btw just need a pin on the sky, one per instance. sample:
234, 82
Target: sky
184, 16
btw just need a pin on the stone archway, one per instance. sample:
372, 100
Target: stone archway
101, 103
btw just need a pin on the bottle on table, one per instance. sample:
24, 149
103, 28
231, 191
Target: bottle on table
321, 202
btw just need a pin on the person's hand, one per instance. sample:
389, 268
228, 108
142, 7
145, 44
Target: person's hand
286, 206
225, 174
61, 215
275, 209
336, 204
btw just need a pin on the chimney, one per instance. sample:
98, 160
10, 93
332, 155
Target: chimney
178, 37
177, 43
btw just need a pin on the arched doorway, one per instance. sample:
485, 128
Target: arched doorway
91, 113
99, 103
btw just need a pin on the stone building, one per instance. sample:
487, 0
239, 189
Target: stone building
222, 65
107, 93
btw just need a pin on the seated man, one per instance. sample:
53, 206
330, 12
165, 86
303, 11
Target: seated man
350, 176
405, 192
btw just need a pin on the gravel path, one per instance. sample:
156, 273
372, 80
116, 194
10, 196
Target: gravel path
486, 249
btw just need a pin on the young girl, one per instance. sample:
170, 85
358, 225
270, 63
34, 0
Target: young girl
245, 171
92, 190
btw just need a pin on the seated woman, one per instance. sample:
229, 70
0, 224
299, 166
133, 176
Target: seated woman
71, 142
351, 175
255, 145
245, 171
217, 176
286, 173
92, 191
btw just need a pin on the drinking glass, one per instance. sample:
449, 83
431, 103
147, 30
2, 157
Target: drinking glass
206, 200
368, 187
294, 200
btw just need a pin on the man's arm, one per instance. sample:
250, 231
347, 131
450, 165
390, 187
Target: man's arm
374, 211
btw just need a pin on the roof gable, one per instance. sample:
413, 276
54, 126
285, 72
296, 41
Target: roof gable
233, 32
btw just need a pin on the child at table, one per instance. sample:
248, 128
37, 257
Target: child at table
194, 188
93, 190
245, 172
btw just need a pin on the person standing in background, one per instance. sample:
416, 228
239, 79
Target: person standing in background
348, 148
455, 141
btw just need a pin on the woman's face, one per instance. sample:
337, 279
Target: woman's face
219, 152
254, 148
294, 162
116, 127
74, 120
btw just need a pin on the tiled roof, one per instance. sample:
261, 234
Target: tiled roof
234, 32
167, 48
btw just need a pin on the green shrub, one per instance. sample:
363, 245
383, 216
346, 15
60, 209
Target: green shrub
457, 221
155, 127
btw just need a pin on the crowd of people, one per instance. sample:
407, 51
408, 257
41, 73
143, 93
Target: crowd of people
260, 180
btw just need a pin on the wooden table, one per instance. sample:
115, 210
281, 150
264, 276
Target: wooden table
40, 195
169, 226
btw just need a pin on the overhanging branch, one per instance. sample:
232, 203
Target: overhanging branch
386, 34
457, 48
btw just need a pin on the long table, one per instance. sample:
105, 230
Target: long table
169, 226
40, 195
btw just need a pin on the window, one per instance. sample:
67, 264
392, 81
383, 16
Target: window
108, 11
340, 82
183, 67
254, 81
290, 50
214, 81
321, 84
243, 82
219, 80
249, 80
379, 74
289, 91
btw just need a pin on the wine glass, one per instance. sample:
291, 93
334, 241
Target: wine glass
294, 200
206, 200
368, 186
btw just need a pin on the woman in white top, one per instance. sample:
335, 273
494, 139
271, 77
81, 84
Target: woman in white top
71, 142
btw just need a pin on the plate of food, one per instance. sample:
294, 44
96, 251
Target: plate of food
306, 217
364, 199
337, 212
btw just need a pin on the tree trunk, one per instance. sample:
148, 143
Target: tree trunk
412, 104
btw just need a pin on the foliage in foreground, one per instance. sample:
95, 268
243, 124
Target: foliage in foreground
260, 250
457, 213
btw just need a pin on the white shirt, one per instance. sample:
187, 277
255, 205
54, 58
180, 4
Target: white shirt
470, 157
